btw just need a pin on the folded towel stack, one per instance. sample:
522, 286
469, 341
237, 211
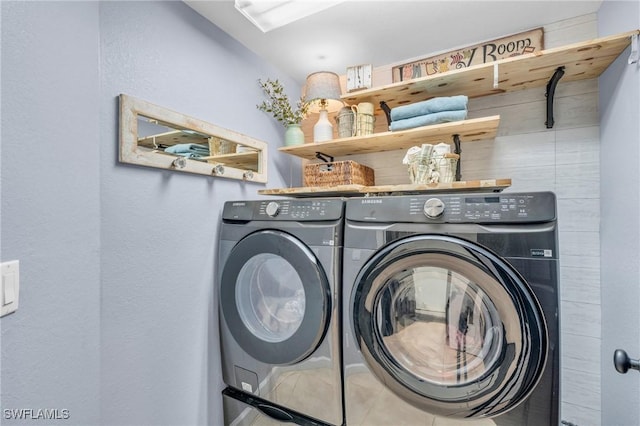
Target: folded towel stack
189, 150
433, 111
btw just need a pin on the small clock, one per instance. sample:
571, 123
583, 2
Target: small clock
358, 77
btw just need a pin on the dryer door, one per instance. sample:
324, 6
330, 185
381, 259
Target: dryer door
449, 326
275, 297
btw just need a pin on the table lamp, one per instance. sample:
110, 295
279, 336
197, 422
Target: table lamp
322, 92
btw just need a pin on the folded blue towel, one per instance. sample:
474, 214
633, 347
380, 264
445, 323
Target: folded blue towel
451, 103
188, 148
425, 120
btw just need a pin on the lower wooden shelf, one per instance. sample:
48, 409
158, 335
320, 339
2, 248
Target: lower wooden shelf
242, 160
485, 185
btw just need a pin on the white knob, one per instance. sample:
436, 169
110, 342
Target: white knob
273, 209
433, 208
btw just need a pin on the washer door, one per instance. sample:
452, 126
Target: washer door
449, 326
275, 297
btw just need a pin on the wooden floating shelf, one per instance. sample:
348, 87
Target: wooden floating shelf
583, 60
487, 185
240, 160
579, 61
468, 130
172, 138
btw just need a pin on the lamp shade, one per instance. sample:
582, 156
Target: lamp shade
323, 85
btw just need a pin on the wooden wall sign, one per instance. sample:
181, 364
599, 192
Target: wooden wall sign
359, 77
513, 45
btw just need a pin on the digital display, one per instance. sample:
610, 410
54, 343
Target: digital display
482, 200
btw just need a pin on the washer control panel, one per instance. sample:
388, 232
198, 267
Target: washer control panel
272, 209
311, 209
433, 208
450, 208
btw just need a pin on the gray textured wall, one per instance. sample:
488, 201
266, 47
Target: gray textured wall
51, 207
620, 227
117, 320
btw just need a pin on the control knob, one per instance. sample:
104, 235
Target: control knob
433, 208
273, 209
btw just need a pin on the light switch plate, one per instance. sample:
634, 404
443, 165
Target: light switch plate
10, 287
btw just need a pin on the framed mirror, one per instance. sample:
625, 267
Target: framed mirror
154, 136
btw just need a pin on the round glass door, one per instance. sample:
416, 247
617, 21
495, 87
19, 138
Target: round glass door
270, 297
275, 297
449, 326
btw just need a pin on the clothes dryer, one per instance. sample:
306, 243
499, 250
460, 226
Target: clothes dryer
278, 287
451, 310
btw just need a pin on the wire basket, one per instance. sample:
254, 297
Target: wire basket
364, 124
445, 166
433, 168
345, 119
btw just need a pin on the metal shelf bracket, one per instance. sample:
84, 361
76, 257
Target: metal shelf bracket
633, 57
387, 111
457, 149
551, 90
324, 157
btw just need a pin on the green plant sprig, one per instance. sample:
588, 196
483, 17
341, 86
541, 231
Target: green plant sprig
279, 105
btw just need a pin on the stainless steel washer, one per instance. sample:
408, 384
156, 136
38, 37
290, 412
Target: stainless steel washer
280, 266
451, 310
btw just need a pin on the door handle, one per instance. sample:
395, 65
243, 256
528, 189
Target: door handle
275, 413
623, 363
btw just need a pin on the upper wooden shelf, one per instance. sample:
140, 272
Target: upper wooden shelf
468, 130
583, 60
172, 138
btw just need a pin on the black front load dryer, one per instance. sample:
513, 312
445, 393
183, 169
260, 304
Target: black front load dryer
450, 310
278, 288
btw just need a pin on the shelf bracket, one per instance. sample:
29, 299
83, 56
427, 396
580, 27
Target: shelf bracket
387, 111
551, 91
457, 150
633, 57
324, 157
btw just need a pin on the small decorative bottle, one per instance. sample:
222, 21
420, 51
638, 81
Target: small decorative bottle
323, 130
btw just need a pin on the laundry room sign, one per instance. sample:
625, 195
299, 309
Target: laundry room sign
490, 51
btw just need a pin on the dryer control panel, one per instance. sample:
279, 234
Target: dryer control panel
299, 210
455, 208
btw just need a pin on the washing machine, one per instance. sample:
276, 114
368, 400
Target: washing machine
280, 332
451, 310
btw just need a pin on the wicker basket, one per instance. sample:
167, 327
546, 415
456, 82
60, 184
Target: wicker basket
338, 173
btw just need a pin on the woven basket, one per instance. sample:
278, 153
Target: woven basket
338, 173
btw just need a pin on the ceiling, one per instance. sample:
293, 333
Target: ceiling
385, 32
